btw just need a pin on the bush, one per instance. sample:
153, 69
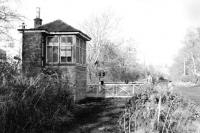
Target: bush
156, 109
188, 78
34, 104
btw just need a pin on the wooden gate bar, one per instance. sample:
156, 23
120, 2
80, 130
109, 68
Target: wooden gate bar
117, 89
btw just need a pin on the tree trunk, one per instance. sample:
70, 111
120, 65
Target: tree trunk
194, 66
184, 68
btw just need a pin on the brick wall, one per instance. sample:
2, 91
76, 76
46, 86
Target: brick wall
76, 77
81, 82
33, 60
2, 55
31, 53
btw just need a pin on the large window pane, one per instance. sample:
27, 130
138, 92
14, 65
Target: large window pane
69, 59
63, 39
66, 54
59, 49
63, 59
52, 41
78, 42
49, 54
81, 56
77, 54
69, 40
83, 51
66, 40
69, 52
74, 53
55, 54
83, 59
63, 51
84, 45
84, 56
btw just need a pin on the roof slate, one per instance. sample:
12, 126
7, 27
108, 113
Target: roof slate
58, 26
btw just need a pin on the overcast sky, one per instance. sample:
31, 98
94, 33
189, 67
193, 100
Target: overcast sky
157, 26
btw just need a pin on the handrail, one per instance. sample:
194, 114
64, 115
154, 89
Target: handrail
124, 83
113, 89
121, 83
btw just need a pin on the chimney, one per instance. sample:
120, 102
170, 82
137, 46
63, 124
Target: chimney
37, 20
23, 26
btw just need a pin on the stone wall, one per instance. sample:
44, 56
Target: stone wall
32, 53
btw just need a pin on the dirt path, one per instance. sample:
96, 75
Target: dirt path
98, 116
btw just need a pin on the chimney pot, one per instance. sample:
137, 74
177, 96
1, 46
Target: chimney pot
37, 12
37, 20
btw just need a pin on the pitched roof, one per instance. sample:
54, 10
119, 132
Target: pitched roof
58, 26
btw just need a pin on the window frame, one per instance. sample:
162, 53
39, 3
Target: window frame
81, 50
47, 41
71, 45
77, 50
75, 47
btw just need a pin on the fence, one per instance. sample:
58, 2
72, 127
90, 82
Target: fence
110, 89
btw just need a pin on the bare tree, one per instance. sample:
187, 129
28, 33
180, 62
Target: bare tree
100, 28
8, 19
115, 55
188, 59
192, 48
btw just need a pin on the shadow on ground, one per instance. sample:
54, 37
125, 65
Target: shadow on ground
97, 115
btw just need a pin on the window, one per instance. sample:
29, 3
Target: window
77, 50
80, 51
62, 49
83, 50
59, 49
84, 54
66, 49
52, 49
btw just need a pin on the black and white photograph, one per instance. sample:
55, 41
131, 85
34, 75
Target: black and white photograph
99, 66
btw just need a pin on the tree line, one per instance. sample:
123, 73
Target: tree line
107, 52
186, 65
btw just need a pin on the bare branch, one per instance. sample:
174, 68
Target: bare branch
8, 19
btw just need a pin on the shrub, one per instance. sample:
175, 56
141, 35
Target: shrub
34, 104
156, 109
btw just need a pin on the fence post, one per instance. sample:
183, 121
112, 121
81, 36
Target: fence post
133, 90
115, 90
74, 95
159, 109
98, 88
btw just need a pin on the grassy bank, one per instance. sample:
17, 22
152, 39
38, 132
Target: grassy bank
156, 109
33, 104
191, 92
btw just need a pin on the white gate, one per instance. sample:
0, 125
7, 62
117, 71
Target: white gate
113, 89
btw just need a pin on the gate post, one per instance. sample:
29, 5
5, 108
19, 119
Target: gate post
133, 90
115, 91
98, 89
